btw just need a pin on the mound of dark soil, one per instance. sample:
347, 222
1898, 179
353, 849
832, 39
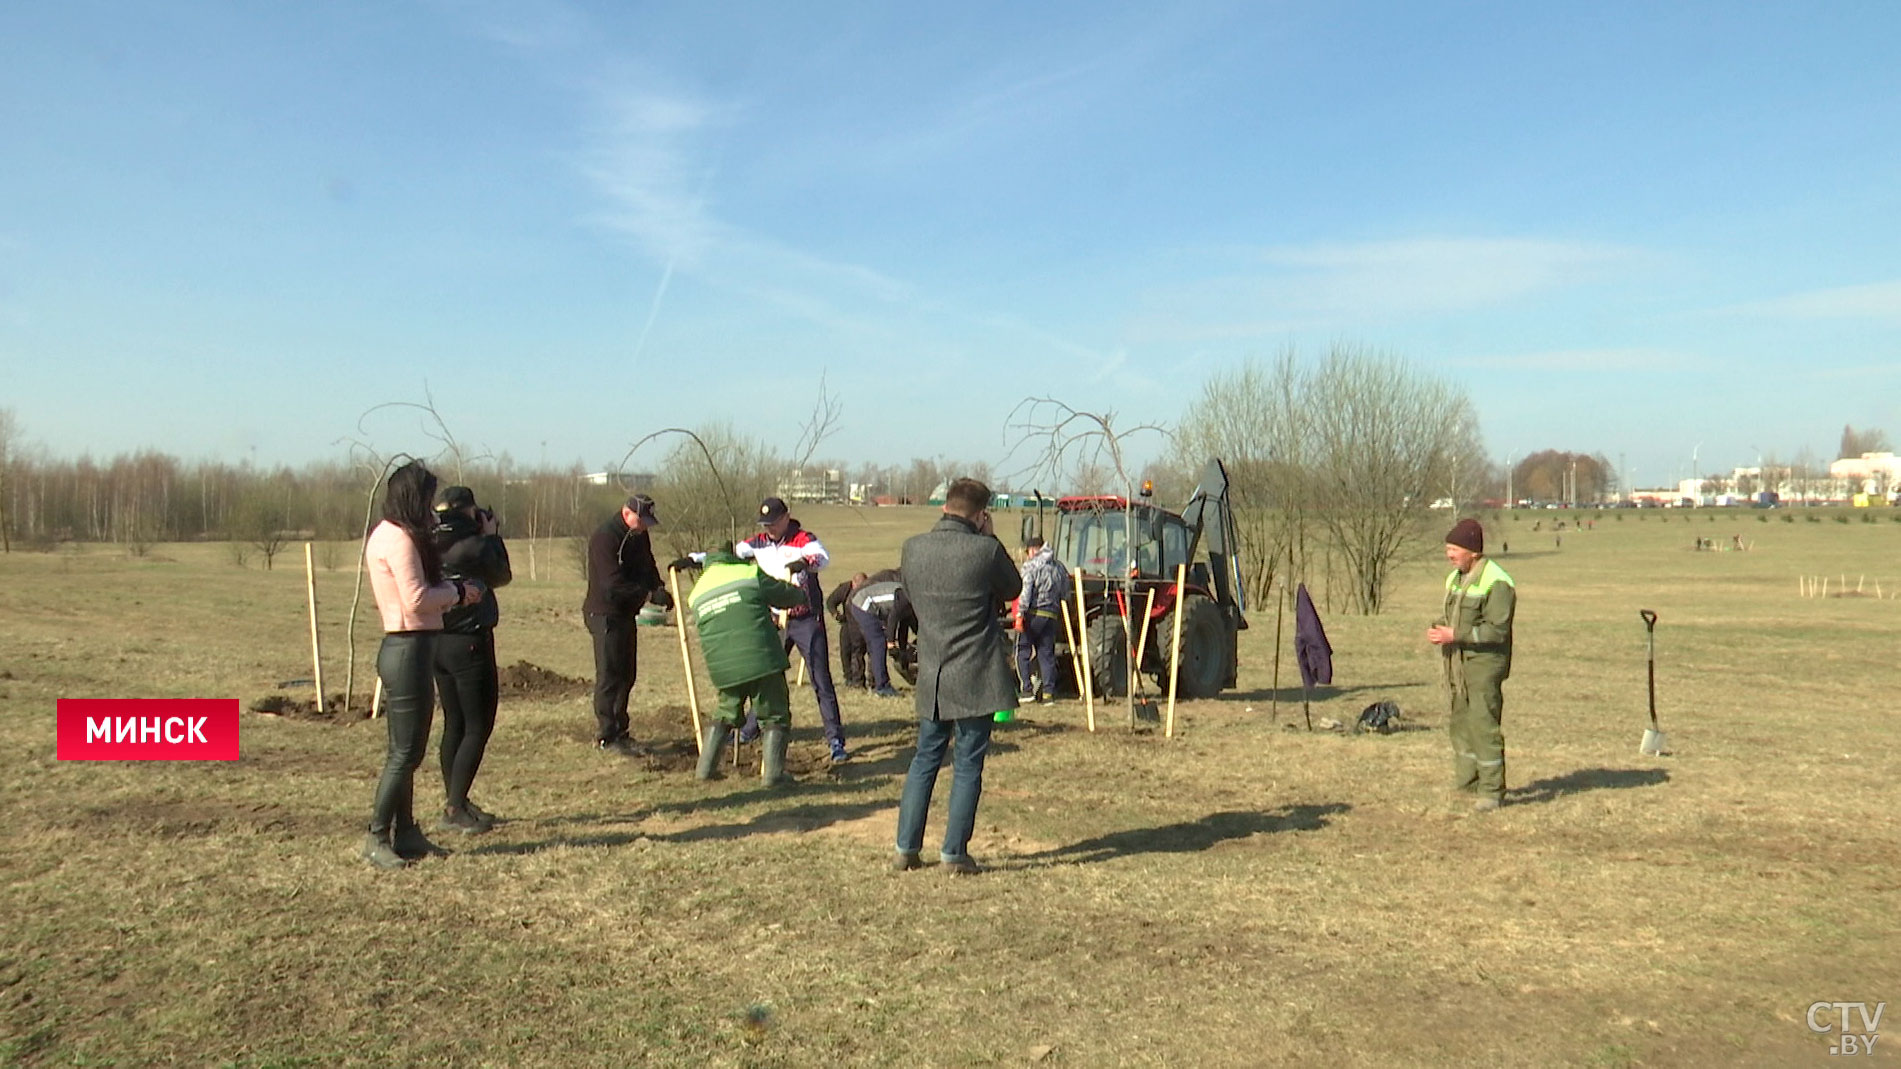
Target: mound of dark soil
525, 680
298, 708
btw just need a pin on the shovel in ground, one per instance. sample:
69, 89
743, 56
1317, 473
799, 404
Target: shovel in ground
1654, 742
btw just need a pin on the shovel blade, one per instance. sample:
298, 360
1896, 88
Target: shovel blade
1654, 744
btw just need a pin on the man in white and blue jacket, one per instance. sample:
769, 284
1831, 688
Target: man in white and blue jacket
1039, 618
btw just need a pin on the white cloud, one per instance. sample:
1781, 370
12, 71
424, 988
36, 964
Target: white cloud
1875, 300
1287, 290
1428, 275
1598, 361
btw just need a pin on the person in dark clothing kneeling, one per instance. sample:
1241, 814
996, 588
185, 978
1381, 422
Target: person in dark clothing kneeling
467, 681
851, 640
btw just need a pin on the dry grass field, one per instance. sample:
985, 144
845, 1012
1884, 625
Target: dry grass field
1242, 894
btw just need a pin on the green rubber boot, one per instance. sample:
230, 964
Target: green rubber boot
773, 771
711, 743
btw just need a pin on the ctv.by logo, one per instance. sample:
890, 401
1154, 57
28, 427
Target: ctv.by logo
1822, 1016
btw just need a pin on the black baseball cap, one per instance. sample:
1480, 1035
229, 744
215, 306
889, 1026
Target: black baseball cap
643, 508
772, 510
455, 497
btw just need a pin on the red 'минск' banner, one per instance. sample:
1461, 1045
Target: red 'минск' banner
148, 729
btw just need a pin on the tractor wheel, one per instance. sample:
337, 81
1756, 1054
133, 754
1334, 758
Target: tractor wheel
1108, 657
1204, 650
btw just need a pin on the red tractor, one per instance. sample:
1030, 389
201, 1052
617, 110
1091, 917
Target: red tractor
1124, 554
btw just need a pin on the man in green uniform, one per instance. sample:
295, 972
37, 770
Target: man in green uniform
1474, 634
732, 606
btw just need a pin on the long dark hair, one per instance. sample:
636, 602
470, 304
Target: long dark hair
407, 501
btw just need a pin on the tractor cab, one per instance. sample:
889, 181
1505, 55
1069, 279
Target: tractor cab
1092, 537
1124, 556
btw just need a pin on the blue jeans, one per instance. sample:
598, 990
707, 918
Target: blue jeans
1038, 637
873, 629
967, 783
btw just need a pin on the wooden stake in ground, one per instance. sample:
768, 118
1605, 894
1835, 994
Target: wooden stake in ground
1075, 653
1082, 634
316, 644
686, 657
1142, 643
1175, 648
1280, 611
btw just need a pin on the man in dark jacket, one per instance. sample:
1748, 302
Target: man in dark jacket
957, 577
851, 640
621, 575
471, 545
745, 658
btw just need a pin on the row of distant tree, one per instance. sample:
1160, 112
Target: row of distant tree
1334, 461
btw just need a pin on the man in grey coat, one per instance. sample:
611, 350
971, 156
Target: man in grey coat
957, 576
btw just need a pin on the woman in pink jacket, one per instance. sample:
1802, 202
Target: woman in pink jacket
411, 594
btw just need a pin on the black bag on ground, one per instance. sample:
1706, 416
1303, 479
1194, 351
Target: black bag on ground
1380, 716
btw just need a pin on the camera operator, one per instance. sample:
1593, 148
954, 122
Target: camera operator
466, 678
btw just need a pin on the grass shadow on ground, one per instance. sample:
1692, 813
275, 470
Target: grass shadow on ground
1320, 693
1585, 779
1193, 836
799, 818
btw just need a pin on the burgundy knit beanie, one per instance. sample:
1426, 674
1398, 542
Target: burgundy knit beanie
1467, 534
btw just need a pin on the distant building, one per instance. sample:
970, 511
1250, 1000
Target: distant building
635, 482
808, 487
1870, 473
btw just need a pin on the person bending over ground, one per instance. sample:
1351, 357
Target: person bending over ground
732, 604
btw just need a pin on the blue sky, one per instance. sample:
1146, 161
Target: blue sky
227, 230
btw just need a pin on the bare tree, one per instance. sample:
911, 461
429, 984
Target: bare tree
1251, 418
261, 522
375, 466
1356, 445
710, 484
1557, 475
9, 431
822, 425
1855, 443
1054, 439
1384, 436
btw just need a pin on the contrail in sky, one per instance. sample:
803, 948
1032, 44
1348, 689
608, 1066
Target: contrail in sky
666, 276
653, 311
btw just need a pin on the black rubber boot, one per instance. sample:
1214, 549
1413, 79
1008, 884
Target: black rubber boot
711, 743
412, 844
772, 772
376, 851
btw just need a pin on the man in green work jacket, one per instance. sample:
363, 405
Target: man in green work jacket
1474, 634
732, 606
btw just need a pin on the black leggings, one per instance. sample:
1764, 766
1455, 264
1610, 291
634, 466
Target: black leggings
467, 684
405, 664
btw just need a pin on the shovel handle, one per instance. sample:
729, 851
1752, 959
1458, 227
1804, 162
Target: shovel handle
1650, 619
